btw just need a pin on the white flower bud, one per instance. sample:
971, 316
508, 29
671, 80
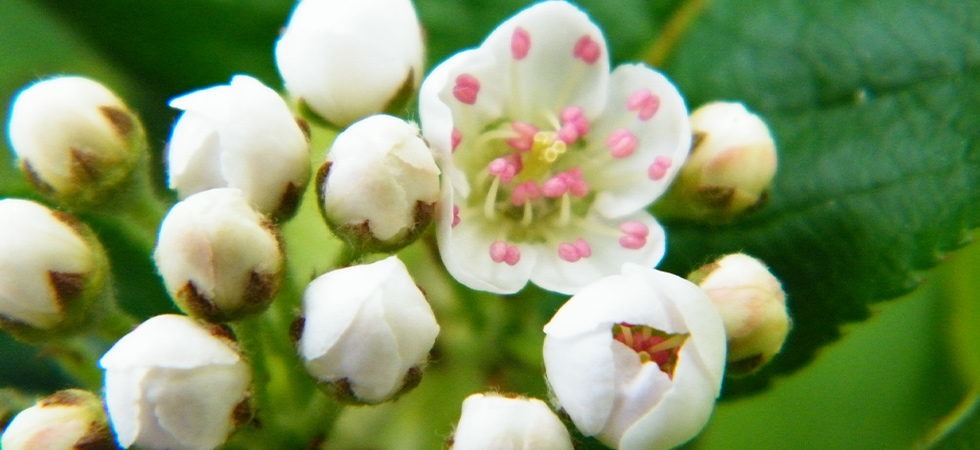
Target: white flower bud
52, 271
497, 422
367, 331
731, 166
240, 135
347, 60
66, 420
175, 383
637, 359
75, 140
752, 304
219, 258
379, 185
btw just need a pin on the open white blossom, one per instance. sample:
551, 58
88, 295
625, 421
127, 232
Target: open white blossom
239, 135
367, 331
380, 183
549, 159
637, 359
349, 59
175, 383
498, 422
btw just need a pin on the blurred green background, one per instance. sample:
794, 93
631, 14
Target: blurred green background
887, 383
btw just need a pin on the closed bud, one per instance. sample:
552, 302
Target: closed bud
75, 140
52, 271
636, 359
240, 135
380, 183
66, 420
499, 422
347, 60
752, 304
219, 258
730, 169
175, 383
367, 331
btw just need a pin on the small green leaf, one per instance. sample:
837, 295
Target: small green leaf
876, 111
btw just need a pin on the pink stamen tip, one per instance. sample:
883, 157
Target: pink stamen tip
635, 228
455, 138
502, 252
632, 242
659, 168
576, 184
574, 251
555, 186
466, 89
504, 167
583, 248
520, 43
621, 143
644, 103
525, 192
524, 140
568, 133
456, 218
587, 49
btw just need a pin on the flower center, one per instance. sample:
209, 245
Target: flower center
651, 344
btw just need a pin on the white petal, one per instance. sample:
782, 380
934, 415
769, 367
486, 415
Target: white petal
556, 274
465, 251
549, 76
581, 375
328, 316
170, 341
195, 406
624, 185
408, 315
640, 387
193, 156
495, 422
123, 400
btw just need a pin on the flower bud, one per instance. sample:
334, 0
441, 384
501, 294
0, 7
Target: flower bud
636, 359
75, 140
175, 383
732, 163
52, 271
347, 60
753, 306
240, 135
379, 185
66, 420
498, 422
367, 331
220, 259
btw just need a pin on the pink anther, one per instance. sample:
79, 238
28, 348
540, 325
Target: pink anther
466, 89
505, 167
576, 184
634, 234
621, 143
502, 252
525, 192
658, 169
587, 49
555, 187
524, 140
456, 218
644, 103
520, 43
574, 124
455, 138
574, 251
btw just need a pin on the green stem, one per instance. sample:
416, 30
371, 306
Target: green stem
78, 358
675, 28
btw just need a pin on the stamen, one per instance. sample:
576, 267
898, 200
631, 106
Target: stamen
651, 345
587, 50
505, 167
644, 103
635, 234
455, 138
502, 252
520, 43
490, 203
565, 213
574, 251
574, 125
659, 168
456, 218
621, 143
524, 193
524, 140
466, 89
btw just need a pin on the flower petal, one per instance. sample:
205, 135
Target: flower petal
593, 367
555, 57
608, 252
663, 140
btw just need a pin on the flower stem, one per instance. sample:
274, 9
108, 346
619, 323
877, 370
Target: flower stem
664, 45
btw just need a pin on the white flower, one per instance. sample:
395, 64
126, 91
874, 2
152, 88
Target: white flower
239, 135
219, 258
347, 60
380, 183
549, 160
637, 359
52, 270
173, 383
497, 422
753, 306
66, 420
75, 140
367, 330
730, 168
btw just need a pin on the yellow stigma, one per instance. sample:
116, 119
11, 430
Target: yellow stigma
547, 148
